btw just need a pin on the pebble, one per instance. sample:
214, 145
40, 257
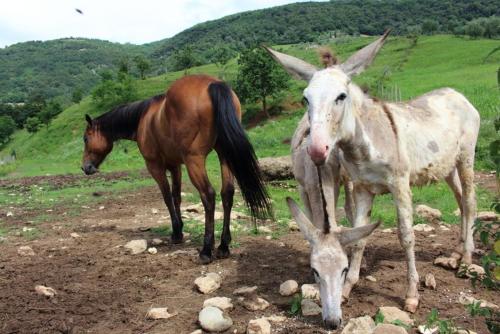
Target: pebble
423, 228
254, 303
136, 246
208, 283
155, 211
74, 235
389, 329
259, 326
25, 251
213, 319
156, 242
45, 291
289, 287
159, 313
152, 250
222, 303
446, 262
245, 290
422, 329
371, 278
310, 291
293, 226
309, 308
392, 314
360, 325
430, 281
427, 213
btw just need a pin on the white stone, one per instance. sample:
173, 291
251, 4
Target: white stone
198, 331
196, 208
444, 228
392, 314
27, 229
208, 283
422, 329
9, 214
259, 326
389, 329
136, 246
309, 308
156, 242
213, 319
457, 213
371, 278
487, 216
289, 287
101, 207
446, 262
245, 290
264, 229
464, 331
310, 291
293, 226
254, 303
430, 281
74, 235
361, 325
465, 299
427, 213
159, 313
152, 250
25, 251
423, 228
223, 303
386, 230
45, 291
276, 318
155, 211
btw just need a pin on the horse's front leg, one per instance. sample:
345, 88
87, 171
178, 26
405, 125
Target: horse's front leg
403, 200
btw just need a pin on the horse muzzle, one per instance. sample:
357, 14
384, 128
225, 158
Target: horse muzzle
88, 168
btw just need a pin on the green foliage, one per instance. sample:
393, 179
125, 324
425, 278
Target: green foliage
7, 128
114, 90
491, 316
445, 326
184, 59
296, 304
77, 95
32, 124
488, 27
429, 27
51, 110
259, 77
221, 57
143, 65
379, 318
489, 234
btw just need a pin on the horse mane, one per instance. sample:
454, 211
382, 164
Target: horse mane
327, 57
122, 121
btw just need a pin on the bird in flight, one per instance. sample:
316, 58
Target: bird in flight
79, 11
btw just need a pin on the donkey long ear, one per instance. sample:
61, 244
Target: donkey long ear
89, 120
296, 67
309, 231
350, 235
359, 61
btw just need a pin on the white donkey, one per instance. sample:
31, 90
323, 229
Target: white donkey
385, 147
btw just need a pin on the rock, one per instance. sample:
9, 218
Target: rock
159, 313
310, 291
264, 229
259, 326
156, 242
27, 229
386, 230
446, 262
152, 250
136, 246
389, 329
45, 291
427, 213
198, 331
223, 303
457, 213
276, 318
101, 207
289, 287
208, 283
422, 329
423, 228
444, 228
293, 226
392, 314
155, 211
371, 278
74, 235
245, 290
25, 251
464, 331
254, 303
487, 216
465, 299
309, 308
361, 325
9, 214
471, 270
430, 281
213, 319
276, 168
195, 208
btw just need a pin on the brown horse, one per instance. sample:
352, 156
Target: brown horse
197, 114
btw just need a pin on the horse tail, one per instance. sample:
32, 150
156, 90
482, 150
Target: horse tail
236, 149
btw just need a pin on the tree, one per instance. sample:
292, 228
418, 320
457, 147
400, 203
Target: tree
77, 95
429, 27
51, 110
221, 58
259, 77
184, 59
474, 29
143, 65
123, 65
114, 90
32, 124
7, 128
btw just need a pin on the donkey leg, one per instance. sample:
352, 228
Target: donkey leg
349, 200
402, 198
176, 192
158, 172
466, 174
453, 181
227, 194
197, 173
364, 201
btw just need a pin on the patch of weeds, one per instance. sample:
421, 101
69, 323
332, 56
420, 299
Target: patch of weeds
491, 317
399, 323
379, 318
31, 233
296, 304
162, 231
445, 326
489, 234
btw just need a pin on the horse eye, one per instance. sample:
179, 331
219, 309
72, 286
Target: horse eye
341, 97
85, 139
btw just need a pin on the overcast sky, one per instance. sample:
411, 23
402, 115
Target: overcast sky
118, 21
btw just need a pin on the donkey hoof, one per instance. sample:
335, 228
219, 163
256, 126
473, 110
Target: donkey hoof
456, 255
205, 259
177, 239
411, 305
222, 252
467, 259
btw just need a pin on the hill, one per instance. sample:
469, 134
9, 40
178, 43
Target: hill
402, 66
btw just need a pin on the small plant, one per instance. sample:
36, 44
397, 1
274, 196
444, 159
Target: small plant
492, 318
296, 304
489, 234
379, 318
445, 326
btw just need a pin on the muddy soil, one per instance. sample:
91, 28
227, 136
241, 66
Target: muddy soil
103, 289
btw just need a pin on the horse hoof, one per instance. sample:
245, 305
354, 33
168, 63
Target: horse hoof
176, 239
222, 253
411, 305
205, 259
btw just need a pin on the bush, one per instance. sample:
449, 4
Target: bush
113, 91
32, 124
7, 128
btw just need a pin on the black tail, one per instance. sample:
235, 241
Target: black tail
238, 152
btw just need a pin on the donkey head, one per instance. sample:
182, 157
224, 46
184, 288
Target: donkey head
329, 261
328, 95
97, 147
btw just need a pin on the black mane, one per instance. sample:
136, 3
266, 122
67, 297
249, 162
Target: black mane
122, 121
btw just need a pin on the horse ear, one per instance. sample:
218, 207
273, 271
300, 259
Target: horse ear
310, 232
296, 67
350, 235
89, 120
359, 61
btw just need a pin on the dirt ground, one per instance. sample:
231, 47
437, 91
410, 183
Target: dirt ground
103, 289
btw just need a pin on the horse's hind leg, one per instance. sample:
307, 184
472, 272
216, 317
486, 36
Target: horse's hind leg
453, 181
158, 172
227, 194
197, 173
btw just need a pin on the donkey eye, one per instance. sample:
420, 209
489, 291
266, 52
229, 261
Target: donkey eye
305, 101
340, 98
344, 272
315, 272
